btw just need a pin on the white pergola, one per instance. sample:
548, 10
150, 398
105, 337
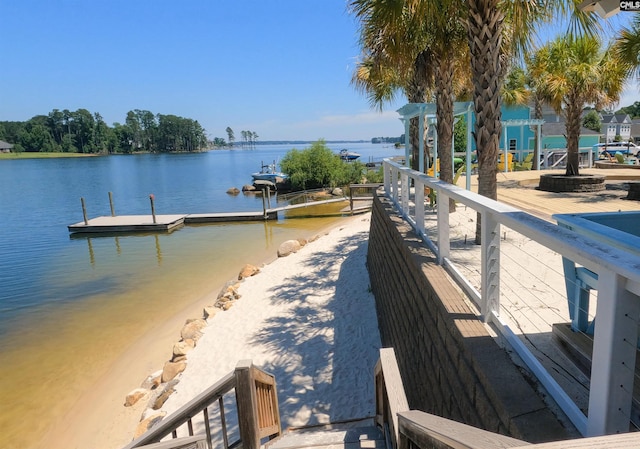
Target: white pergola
427, 111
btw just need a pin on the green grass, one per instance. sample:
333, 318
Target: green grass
41, 155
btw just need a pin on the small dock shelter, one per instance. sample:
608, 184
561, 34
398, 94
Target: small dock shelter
517, 135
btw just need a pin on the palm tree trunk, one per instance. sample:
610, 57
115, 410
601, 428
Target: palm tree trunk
444, 113
485, 36
573, 125
417, 93
537, 114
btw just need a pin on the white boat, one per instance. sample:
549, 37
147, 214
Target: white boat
347, 155
269, 172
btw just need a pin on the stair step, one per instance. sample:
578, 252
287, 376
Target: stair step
366, 437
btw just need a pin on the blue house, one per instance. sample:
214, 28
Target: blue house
517, 136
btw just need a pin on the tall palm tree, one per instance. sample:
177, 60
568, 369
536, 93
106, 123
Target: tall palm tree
627, 47
515, 90
577, 72
447, 39
395, 57
430, 36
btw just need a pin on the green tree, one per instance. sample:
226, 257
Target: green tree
579, 71
82, 123
36, 137
633, 110
627, 47
592, 121
395, 57
230, 135
219, 142
460, 135
318, 166
514, 89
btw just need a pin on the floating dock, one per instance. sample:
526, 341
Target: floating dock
129, 223
167, 223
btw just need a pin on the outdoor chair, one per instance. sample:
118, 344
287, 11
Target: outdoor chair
526, 164
431, 193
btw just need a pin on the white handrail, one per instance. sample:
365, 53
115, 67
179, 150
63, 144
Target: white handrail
619, 271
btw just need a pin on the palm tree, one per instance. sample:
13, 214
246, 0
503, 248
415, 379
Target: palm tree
515, 90
394, 58
627, 47
395, 33
577, 71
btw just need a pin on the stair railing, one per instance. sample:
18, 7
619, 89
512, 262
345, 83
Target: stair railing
258, 415
390, 396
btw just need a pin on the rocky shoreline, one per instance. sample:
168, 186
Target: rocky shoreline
160, 385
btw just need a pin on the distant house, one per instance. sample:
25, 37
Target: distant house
635, 130
553, 136
616, 125
5, 147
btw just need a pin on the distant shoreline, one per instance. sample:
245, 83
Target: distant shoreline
43, 155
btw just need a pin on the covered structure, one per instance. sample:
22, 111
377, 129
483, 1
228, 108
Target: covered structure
427, 111
5, 147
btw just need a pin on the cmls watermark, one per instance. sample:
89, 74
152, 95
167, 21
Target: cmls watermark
629, 5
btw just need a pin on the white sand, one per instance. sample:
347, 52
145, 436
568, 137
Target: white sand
310, 320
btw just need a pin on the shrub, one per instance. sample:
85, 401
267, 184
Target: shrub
318, 166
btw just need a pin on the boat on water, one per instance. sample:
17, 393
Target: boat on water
347, 155
269, 172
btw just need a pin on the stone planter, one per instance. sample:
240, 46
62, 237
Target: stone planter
634, 191
563, 183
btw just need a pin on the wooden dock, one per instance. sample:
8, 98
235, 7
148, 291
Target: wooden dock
168, 223
129, 223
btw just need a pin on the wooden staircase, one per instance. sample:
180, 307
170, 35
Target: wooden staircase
393, 427
361, 434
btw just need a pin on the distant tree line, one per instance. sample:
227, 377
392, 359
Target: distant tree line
249, 139
633, 110
388, 139
83, 132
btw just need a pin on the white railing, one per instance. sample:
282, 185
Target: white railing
610, 393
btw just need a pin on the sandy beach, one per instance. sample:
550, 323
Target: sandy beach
309, 318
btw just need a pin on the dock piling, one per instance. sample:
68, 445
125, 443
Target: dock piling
153, 207
264, 204
84, 211
113, 212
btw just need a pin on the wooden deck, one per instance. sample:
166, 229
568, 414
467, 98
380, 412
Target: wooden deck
168, 223
129, 223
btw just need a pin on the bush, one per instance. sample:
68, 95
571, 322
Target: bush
374, 176
318, 167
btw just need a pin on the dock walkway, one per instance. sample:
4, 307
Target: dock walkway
168, 223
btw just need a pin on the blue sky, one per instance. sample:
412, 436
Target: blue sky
280, 68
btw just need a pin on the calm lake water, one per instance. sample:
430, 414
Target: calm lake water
70, 305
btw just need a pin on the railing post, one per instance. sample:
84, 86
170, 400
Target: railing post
246, 399
419, 198
443, 226
404, 191
386, 170
395, 175
490, 266
614, 356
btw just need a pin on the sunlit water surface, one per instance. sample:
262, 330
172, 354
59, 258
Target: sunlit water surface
69, 306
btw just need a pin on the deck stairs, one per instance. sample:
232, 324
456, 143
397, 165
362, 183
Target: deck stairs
359, 434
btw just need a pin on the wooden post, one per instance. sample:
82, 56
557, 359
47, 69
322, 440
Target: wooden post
246, 400
84, 211
153, 207
264, 204
269, 197
113, 212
